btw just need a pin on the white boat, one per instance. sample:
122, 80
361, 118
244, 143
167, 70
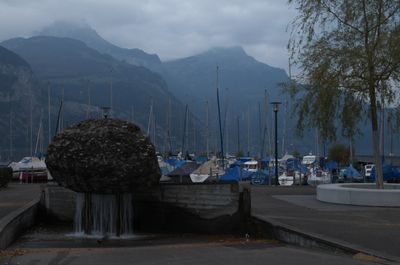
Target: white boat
251, 166
29, 164
289, 180
165, 168
309, 160
285, 180
209, 171
32, 167
318, 176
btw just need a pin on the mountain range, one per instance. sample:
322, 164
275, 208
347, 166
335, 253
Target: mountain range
92, 39
192, 80
19, 96
88, 72
79, 74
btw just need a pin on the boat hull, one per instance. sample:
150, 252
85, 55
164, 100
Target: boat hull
199, 178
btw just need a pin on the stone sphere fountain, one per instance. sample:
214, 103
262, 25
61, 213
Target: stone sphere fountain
104, 161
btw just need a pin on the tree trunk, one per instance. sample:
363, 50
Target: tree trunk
375, 141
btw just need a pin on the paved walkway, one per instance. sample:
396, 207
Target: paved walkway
17, 195
194, 253
373, 229
367, 228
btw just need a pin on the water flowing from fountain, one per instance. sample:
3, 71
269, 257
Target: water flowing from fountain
104, 215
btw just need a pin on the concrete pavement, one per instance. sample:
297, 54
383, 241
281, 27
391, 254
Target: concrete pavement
19, 205
364, 229
189, 249
16, 196
373, 230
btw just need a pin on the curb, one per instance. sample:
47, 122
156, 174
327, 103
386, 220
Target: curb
13, 224
291, 235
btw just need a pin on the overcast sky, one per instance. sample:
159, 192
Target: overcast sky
170, 28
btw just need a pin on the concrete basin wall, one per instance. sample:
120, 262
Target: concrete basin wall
200, 207
362, 194
12, 225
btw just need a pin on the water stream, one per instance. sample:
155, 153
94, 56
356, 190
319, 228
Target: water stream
104, 215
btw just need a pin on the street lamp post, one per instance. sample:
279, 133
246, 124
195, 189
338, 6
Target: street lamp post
106, 111
275, 108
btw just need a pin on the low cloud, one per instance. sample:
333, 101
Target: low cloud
170, 28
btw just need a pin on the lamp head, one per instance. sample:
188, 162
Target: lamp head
275, 105
106, 111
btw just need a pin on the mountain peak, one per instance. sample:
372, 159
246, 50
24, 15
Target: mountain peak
234, 51
69, 29
84, 32
74, 30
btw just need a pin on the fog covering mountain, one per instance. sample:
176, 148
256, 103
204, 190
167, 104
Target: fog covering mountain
76, 72
92, 39
19, 95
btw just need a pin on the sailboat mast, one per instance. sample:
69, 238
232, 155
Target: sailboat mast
88, 114
184, 130
316, 142
168, 139
154, 130
38, 134
219, 118
58, 118
265, 131
111, 93
260, 130
49, 110
238, 134
11, 134
383, 131
207, 132
284, 127
150, 116
187, 130
31, 126
194, 135
61, 123
226, 138
248, 130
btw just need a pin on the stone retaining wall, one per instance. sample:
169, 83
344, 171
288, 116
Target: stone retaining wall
12, 225
208, 208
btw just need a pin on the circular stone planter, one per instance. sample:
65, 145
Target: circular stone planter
364, 194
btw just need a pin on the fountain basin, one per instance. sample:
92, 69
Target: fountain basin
362, 194
195, 208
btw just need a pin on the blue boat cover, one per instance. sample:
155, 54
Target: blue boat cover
185, 169
389, 173
201, 159
173, 161
237, 163
331, 165
235, 174
261, 177
245, 158
350, 172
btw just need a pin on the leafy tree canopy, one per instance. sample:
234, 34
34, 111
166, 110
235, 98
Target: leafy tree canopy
349, 53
